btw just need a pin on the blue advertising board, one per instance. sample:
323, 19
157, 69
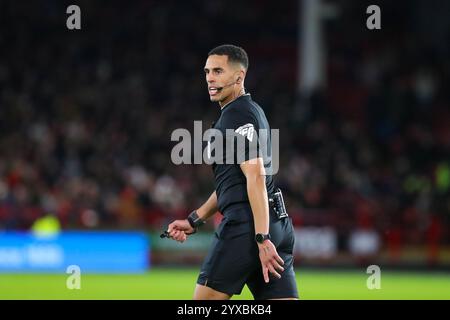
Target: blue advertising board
95, 252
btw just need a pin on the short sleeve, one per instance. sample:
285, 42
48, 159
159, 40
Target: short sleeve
241, 136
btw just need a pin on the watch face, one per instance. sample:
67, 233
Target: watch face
261, 237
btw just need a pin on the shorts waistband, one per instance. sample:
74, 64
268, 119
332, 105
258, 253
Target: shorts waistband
233, 212
235, 206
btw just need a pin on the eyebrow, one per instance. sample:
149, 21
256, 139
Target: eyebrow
214, 69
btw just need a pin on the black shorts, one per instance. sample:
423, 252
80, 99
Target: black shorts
233, 259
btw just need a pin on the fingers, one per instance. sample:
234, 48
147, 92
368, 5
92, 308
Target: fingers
276, 261
277, 266
270, 267
182, 225
278, 258
174, 234
273, 271
174, 226
177, 231
178, 235
266, 274
271, 262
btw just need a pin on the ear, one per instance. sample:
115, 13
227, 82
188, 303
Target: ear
240, 77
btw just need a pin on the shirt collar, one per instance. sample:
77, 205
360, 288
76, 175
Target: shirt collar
242, 95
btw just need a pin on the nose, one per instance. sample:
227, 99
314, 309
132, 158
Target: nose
209, 78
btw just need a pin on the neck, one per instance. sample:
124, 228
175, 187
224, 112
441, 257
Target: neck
233, 96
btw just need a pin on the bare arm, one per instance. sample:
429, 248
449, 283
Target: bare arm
209, 208
257, 194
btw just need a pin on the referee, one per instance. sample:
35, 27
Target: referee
253, 245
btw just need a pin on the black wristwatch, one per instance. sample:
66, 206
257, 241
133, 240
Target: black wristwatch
194, 220
261, 237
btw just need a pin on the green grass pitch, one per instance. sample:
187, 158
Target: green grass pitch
177, 284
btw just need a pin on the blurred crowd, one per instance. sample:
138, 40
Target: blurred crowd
86, 116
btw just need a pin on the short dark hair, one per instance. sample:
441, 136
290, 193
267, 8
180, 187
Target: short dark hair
234, 53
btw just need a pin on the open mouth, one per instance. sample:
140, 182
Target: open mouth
213, 91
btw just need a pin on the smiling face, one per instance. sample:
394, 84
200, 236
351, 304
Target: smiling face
220, 73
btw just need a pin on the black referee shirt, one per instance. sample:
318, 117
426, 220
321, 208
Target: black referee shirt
245, 118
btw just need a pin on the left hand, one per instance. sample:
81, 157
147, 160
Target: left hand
270, 260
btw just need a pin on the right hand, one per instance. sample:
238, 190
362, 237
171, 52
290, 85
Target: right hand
179, 230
